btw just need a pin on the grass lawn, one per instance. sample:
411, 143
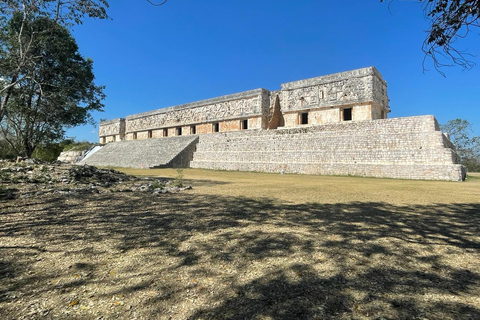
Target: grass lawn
292, 188
246, 246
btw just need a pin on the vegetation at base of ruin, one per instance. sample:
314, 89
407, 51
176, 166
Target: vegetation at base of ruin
178, 180
46, 152
246, 246
58, 90
467, 146
157, 185
450, 21
72, 145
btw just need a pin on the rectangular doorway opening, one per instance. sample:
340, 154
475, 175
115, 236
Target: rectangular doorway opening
347, 114
244, 124
304, 118
179, 131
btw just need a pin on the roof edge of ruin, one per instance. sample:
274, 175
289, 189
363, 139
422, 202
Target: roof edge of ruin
356, 73
225, 98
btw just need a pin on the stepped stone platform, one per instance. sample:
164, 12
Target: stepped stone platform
151, 153
405, 148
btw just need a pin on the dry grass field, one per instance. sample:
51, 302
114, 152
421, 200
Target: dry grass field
246, 246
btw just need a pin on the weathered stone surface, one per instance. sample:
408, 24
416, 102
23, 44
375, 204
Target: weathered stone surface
345, 88
323, 98
20, 180
333, 124
173, 151
113, 128
71, 156
406, 148
245, 104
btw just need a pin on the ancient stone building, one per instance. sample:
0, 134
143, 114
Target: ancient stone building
335, 124
348, 96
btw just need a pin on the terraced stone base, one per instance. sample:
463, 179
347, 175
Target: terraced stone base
402, 148
453, 172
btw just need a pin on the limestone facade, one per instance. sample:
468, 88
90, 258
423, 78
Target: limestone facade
401, 148
348, 96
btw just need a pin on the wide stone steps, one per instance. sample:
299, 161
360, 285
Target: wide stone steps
164, 152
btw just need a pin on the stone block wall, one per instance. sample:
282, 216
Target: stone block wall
408, 148
322, 125
322, 98
226, 110
112, 130
71, 156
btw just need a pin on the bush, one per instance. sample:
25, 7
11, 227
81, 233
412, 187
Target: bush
48, 152
78, 146
6, 151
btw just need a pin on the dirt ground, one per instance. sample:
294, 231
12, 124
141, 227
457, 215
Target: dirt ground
337, 248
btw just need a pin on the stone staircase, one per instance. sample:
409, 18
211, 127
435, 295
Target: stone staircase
407, 148
150, 153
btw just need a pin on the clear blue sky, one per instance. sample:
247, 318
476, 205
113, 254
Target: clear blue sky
188, 50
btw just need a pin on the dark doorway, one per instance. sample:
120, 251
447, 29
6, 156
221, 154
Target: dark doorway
347, 114
304, 118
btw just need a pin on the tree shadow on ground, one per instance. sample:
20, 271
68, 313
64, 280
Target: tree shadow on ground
211, 257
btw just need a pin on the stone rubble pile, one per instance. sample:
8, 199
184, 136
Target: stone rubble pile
31, 179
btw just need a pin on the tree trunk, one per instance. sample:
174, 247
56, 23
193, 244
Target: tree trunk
6, 97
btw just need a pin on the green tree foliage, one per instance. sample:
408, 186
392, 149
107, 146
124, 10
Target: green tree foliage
468, 147
65, 13
51, 151
450, 20
55, 89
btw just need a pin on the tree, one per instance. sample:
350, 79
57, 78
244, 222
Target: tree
468, 147
56, 89
63, 12
450, 20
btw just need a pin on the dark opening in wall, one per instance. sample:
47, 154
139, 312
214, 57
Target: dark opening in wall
134, 136
193, 129
114, 138
150, 134
104, 140
165, 132
347, 114
382, 115
216, 127
304, 118
179, 131
244, 124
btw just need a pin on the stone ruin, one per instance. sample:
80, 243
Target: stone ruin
330, 125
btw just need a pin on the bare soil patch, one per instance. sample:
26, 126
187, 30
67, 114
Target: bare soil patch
193, 255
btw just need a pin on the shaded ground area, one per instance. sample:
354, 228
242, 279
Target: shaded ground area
193, 256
